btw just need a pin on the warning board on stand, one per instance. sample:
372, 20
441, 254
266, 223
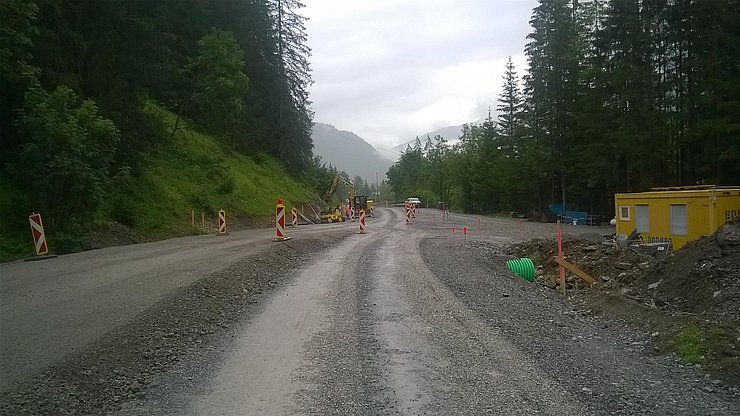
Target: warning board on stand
37, 230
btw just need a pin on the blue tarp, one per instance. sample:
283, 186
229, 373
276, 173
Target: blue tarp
556, 209
579, 216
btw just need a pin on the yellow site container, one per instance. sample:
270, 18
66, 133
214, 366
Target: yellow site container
676, 215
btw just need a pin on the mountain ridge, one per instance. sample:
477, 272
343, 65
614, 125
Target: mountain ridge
349, 152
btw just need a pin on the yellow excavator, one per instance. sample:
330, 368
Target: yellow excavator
334, 214
357, 202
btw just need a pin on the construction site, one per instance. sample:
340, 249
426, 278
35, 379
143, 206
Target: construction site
412, 311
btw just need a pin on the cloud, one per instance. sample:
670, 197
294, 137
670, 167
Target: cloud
389, 70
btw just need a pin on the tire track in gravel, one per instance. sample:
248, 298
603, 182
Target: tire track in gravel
257, 376
54, 308
306, 352
342, 373
443, 359
399, 342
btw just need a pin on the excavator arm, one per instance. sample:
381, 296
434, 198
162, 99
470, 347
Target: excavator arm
333, 187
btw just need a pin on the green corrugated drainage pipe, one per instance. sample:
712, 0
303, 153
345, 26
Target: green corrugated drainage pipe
523, 268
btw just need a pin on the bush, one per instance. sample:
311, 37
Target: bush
66, 159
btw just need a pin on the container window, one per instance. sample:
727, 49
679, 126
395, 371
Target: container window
679, 220
642, 218
624, 213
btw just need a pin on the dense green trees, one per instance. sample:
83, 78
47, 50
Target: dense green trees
295, 77
620, 95
179, 53
219, 83
76, 77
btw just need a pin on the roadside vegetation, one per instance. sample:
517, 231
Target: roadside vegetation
138, 113
690, 345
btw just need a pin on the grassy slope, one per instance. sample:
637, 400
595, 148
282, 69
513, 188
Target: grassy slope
192, 172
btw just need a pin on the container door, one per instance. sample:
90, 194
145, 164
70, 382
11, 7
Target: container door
679, 220
642, 219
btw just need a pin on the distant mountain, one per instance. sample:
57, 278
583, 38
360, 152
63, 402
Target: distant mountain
349, 152
450, 133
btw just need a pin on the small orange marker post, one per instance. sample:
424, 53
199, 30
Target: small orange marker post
560, 259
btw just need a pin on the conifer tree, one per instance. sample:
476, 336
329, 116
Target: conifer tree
510, 102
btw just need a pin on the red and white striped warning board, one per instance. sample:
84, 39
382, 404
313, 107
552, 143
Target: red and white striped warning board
362, 221
222, 222
280, 222
37, 230
294, 219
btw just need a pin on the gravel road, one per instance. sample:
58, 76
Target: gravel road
406, 319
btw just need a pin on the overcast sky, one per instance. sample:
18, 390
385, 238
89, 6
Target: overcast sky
391, 69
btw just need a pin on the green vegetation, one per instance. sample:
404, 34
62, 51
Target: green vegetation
140, 112
193, 172
619, 96
690, 345
196, 172
713, 345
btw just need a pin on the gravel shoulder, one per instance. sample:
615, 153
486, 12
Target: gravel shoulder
606, 365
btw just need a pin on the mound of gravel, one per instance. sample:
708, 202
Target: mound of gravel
703, 277
615, 267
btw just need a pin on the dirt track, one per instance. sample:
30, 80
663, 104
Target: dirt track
403, 320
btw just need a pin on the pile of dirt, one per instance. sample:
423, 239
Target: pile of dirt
702, 277
614, 267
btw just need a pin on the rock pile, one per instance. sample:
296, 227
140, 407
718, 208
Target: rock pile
614, 267
701, 278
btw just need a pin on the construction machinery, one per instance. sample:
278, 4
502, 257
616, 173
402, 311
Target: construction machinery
359, 202
334, 183
355, 202
334, 214
331, 215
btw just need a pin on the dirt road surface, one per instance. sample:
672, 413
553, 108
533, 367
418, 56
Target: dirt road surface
406, 319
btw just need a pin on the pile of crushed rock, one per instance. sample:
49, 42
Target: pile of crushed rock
701, 278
